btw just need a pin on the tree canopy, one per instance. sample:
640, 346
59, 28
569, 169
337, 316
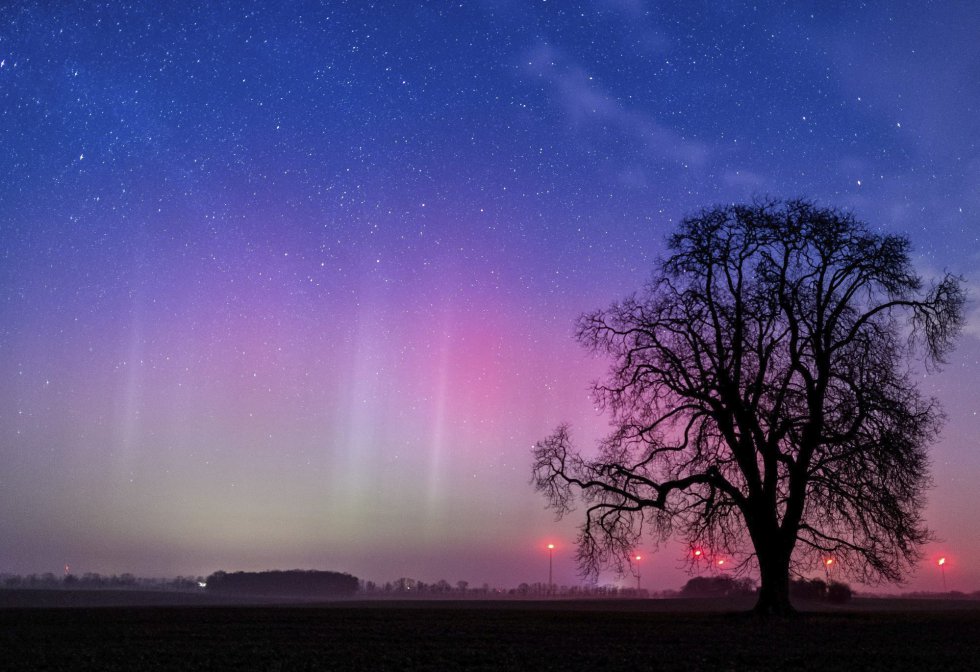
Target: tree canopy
761, 401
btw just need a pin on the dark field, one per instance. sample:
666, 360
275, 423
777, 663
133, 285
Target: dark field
603, 636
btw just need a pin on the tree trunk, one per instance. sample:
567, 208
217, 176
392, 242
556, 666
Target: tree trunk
774, 588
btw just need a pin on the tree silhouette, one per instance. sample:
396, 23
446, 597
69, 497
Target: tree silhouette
760, 399
291, 583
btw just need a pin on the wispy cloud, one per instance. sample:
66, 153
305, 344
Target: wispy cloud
745, 180
588, 106
972, 324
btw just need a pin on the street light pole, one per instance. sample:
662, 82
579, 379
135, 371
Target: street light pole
551, 556
942, 568
638, 558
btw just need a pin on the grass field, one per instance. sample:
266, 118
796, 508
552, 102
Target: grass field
601, 636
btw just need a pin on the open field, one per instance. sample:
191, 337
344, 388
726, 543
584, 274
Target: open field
607, 635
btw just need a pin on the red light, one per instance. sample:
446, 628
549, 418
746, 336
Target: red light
551, 547
697, 553
828, 561
639, 557
721, 562
942, 561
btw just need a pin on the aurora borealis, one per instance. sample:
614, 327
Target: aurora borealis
294, 284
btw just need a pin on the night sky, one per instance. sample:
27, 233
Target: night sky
294, 284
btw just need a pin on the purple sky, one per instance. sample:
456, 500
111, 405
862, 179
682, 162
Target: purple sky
293, 284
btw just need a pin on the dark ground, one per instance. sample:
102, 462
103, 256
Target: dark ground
470, 635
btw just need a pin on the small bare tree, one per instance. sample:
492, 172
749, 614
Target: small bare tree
760, 399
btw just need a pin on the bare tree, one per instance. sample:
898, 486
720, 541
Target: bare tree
761, 402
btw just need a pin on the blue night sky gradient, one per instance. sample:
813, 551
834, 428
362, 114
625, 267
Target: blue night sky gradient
293, 284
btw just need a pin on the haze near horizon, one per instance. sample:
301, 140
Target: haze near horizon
294, 284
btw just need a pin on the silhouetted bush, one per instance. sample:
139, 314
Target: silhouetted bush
292, 583
717, 586
839, 593
808, 589
817, 590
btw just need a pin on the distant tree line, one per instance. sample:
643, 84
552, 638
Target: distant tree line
407, 586
588, 592
96, 581
289, 583
413, 588
306, 585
